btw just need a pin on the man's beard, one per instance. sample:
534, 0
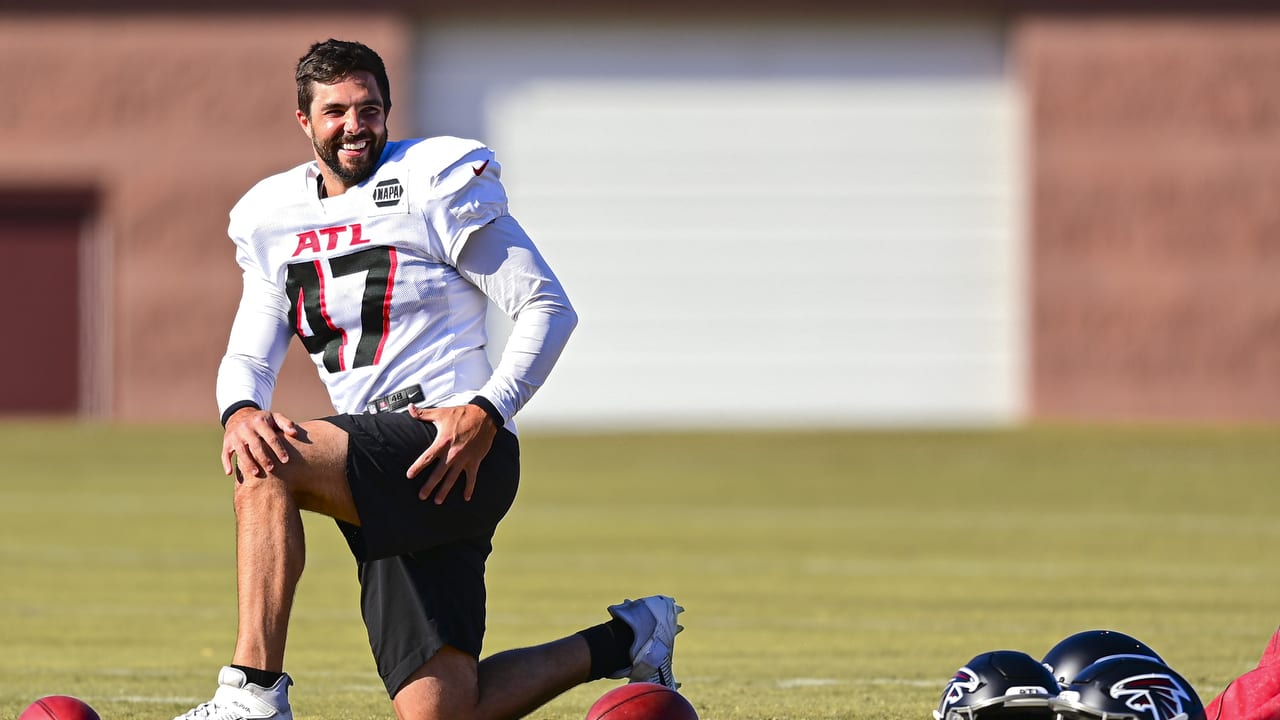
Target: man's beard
350, 174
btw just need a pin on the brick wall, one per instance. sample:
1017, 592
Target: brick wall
1155, 226
170, 118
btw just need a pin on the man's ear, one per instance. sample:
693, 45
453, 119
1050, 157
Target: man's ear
305, 122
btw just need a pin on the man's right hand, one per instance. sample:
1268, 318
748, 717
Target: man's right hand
254, 440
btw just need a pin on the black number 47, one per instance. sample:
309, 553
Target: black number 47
305, 285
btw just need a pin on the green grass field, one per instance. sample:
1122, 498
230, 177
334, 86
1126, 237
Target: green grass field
839, 575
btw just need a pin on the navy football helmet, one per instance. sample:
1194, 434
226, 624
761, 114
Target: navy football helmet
1075, 653
1128, 687
998, 685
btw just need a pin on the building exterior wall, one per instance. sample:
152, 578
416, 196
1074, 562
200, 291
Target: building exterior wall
1155, 231
169, 118
807, 223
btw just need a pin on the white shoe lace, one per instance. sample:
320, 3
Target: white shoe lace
210, 711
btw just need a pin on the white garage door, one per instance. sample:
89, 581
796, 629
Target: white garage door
760, 225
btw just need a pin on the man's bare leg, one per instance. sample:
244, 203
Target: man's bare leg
270, 543
510, 684
637, 643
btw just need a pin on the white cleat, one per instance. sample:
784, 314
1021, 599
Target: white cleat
238, 699
653, 620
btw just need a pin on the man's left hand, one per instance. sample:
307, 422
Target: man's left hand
464, 434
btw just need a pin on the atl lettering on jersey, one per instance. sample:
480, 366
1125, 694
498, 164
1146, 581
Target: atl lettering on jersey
345, 235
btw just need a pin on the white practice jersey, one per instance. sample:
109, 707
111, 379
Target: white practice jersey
376, 284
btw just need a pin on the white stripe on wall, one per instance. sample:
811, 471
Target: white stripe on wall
759, 225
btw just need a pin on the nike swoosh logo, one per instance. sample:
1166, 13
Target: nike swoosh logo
478, 171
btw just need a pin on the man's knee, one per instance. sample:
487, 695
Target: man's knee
313, 477
253, 491
446, 687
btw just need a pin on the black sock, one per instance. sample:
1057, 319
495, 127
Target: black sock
261, 678
610, 646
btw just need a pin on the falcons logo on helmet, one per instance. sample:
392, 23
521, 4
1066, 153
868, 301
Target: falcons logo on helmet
1154, 695
964, 681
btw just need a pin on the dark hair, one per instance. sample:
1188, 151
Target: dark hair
332, 60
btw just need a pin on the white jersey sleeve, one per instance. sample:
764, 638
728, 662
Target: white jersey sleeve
257, 346
260, 333
503, 262
466, 196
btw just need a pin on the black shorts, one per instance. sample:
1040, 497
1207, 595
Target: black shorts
421, 565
